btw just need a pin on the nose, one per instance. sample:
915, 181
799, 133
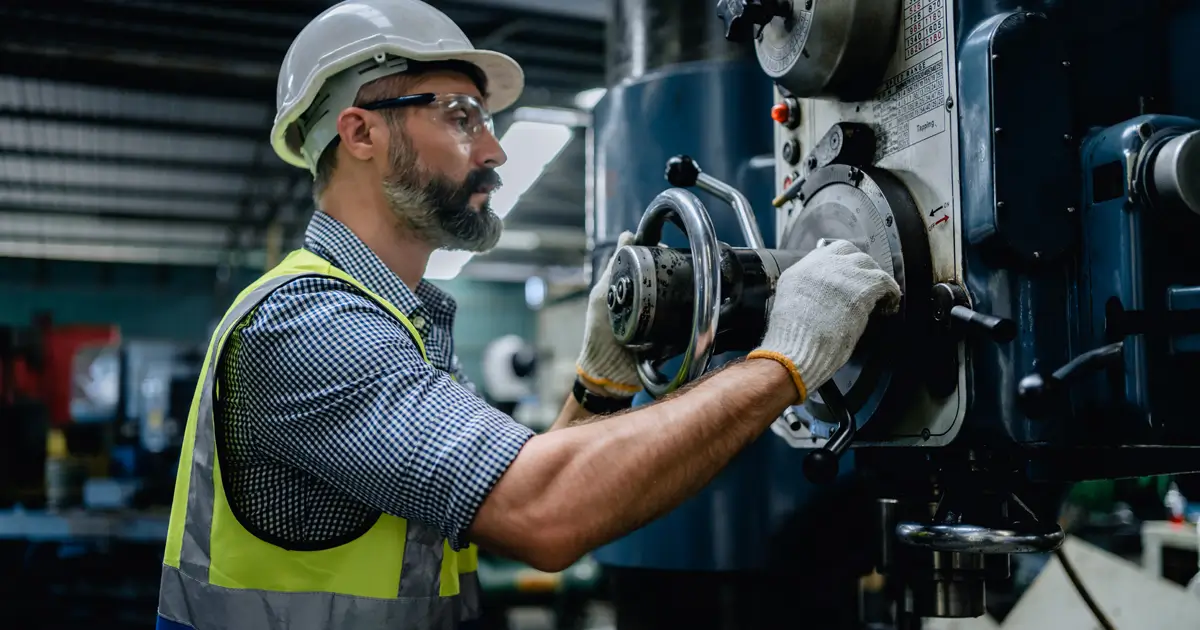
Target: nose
487, 151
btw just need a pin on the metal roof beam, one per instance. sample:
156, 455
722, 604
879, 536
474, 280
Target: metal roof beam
138, 123
139, 161
118, 192
590, 10
9, 208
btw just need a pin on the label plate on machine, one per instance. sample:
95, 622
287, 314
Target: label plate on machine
914, 117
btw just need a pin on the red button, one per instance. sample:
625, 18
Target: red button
781, 113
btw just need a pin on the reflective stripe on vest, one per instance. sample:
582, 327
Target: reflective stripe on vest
217, 575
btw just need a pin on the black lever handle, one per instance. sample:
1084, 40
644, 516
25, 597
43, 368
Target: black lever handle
998, 329
821, 465
1036, 392
952, 310
741, 16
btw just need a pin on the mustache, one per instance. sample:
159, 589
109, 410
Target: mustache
482, 180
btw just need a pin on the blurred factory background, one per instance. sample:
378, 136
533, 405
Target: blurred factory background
139, 194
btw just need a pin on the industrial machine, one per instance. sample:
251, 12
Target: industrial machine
1030, 174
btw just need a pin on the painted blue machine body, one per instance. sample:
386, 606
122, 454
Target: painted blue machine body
1055, 99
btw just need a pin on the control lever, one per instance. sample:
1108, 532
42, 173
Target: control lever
684, 172
845, 143
741, 16
953, 321
821, 465
1036, 393
952, 311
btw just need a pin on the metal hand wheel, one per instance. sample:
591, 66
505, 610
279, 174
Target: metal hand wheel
687, 211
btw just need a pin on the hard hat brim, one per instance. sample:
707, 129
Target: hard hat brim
505, 78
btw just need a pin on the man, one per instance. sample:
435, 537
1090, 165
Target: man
338, 470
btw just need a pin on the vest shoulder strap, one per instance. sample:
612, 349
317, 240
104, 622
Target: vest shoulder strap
302, 262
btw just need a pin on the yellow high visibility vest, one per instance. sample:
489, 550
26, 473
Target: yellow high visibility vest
216, 574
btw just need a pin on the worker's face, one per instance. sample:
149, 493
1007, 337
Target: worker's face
442, 167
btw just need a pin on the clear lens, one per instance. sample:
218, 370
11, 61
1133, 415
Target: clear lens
463, 115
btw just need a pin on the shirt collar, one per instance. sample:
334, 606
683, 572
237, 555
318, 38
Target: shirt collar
332, 240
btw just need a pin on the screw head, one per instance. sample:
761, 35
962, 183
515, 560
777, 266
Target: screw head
623, 286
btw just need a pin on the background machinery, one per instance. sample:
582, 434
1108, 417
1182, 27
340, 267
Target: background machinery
1028, 171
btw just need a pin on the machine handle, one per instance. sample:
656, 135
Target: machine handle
976, 539
1017, 530
706, 277
952, 309
821, 465
1036, 392
684, 172
741, 16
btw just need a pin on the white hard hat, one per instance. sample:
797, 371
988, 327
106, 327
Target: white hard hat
376, 38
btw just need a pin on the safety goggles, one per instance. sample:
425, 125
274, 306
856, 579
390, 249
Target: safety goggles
463, 114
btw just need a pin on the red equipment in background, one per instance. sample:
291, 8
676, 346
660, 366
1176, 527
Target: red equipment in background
35, 396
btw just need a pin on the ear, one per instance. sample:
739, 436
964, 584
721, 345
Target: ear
354, 126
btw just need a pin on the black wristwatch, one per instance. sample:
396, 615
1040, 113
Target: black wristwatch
597, 404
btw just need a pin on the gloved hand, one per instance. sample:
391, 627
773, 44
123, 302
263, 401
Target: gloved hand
604, 363
821, 308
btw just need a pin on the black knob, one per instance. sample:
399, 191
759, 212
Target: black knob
741, 16
1034, 395
682, 171
821, 466
791, 152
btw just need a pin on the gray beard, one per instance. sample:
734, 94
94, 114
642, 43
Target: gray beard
435, 209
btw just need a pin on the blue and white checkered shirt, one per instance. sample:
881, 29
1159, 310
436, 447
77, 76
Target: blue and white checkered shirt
331, 415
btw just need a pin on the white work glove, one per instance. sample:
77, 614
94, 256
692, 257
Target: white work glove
821, 308
605, 364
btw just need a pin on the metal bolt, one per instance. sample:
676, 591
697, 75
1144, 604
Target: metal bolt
623, 291
1068, 137
997, 130
999, 204
949, 102
856, 175
1037, 255
1066, 64
1070, 209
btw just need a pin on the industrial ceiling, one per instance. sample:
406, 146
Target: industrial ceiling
136, 130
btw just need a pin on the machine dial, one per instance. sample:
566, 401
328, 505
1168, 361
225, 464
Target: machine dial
826, 49
873, 210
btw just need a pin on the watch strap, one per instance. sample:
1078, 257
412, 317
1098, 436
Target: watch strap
596, 403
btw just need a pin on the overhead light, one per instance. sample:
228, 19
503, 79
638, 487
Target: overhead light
531, 147
554, 116
587, 99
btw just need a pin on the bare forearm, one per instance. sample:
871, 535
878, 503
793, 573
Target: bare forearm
583, 486
571, 414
